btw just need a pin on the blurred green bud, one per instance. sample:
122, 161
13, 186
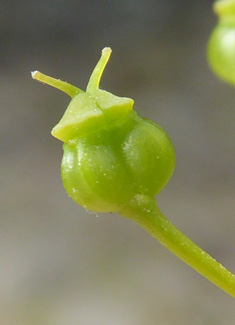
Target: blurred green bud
221, 46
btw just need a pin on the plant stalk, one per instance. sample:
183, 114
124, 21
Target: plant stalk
143, 210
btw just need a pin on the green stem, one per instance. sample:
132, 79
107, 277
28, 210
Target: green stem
145, 212
67, 88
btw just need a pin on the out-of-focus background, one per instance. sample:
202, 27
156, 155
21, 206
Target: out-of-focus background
61, 265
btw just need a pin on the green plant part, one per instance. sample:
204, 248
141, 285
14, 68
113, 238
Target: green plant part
110, 153
117, 161
221, 46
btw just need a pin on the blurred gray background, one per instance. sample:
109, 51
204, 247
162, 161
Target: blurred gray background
61, 265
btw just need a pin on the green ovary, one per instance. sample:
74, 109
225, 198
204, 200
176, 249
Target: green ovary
111, 155
105, 171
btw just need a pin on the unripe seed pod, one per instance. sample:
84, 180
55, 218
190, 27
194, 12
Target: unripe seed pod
221, 46
110, 153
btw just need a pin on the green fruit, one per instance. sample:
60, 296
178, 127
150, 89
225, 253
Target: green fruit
110, 153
